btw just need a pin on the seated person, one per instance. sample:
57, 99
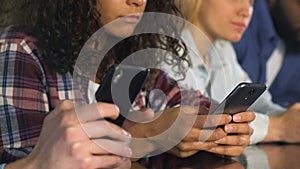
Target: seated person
274, 49
221, 27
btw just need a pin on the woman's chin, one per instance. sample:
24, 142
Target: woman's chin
121, 32
235, 38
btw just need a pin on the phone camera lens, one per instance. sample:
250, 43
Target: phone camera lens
252, 92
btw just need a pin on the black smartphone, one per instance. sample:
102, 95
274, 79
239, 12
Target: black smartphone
241, 98
121, 85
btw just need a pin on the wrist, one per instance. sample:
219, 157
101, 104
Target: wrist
23, 163
275, 130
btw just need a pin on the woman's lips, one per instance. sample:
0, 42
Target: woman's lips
131, 19
239, 25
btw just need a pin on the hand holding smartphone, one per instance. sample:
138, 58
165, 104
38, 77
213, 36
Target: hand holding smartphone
240, 99
120, 86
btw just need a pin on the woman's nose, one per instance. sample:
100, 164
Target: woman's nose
136, 2
246, 8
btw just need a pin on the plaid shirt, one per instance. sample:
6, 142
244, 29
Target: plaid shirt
30, 89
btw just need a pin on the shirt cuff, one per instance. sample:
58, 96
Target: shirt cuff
256, 158
2, 166
260, 126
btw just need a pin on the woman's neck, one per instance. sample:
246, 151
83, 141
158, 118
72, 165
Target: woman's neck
204, 30
202, 41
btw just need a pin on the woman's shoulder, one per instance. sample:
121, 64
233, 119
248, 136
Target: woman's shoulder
18, 45
19, 40
18, 34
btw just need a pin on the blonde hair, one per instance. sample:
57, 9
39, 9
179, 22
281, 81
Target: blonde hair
189, 8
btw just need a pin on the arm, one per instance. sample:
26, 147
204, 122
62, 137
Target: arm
59, 139
23, 99
285, 127
278, 125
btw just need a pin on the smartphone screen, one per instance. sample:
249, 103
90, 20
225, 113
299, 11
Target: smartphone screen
120, 86
241, 98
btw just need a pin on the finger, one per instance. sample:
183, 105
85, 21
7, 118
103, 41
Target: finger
103, 128
191, 110
238, 128
97, 111
141, 116
87, 147
125, 164
98, 147
235, 140
106, 161
212, 120
110, 147
228, 150
195, 146
196, 134
90, 155
244, 117
203, 110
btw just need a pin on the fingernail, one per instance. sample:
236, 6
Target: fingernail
228, 128
128, 151
123, 159
229, 118
243, 140
126, 133
237, 118
117, 108
213, 149
219, 141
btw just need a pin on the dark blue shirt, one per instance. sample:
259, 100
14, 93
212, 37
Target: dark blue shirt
255, 48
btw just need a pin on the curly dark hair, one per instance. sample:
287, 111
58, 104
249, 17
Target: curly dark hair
62, 39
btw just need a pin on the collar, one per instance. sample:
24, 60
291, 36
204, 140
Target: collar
214, 56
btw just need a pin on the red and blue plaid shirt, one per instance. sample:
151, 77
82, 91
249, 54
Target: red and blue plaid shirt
29, 90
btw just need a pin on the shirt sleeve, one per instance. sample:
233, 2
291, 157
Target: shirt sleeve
260, 127
23, 99
264, 107
2, 166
